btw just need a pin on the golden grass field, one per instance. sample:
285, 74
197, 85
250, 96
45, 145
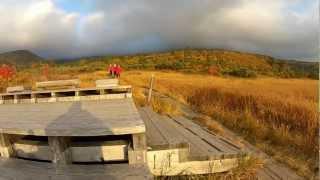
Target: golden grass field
280, 116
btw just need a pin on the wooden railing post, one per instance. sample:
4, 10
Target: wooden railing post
150, 88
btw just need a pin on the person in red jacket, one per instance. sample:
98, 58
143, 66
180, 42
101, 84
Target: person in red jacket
118, 71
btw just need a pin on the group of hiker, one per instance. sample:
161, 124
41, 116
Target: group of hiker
114, 70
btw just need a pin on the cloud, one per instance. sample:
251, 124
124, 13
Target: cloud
279, 28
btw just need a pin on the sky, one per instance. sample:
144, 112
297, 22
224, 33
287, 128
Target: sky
56, 29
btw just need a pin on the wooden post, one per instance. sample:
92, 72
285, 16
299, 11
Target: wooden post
137, 154
139, 141
102, 92
6, 149
150, 88
1, 100
33, 98
60, 150
77, 96
15, 99
53, 97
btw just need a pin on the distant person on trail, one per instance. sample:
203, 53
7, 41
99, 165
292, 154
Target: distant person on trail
118, 71
114, 71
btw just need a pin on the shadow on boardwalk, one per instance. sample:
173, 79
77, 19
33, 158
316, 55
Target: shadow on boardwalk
75, 121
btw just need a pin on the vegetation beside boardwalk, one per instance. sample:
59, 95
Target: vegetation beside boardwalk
277, 115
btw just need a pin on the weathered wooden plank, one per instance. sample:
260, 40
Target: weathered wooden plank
170, 133
214, 141
154, 137
60, 148
197, 146
212, 147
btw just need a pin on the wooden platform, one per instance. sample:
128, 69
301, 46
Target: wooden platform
84, 118
179, 146
67, 95
18, 169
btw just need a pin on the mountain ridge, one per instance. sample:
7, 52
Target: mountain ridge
20, 58
218, 61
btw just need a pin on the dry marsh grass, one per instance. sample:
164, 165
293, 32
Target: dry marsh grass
272, 113
163, 106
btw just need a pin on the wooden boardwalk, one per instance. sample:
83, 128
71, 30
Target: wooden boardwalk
18, 169
84, 118
102, 124
65, 126
163, 131
197, 148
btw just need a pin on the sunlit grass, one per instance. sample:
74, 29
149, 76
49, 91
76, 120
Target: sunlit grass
269, 112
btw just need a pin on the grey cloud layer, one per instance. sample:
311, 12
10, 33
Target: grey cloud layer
130, 26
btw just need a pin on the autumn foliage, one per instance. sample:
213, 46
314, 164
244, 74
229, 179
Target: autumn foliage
7, 72
214, 70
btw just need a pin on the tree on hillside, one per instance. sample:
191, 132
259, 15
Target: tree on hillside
7, 73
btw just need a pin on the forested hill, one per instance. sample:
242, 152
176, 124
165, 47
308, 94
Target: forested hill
20, 58
216, 62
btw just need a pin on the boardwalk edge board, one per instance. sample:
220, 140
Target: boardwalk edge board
66, 95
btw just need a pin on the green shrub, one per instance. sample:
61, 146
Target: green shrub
178, 65
243, 72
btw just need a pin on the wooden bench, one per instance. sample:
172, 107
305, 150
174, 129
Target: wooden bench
102, 83
71, 83
15, 89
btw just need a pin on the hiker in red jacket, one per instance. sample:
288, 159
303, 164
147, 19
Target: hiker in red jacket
118, 71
